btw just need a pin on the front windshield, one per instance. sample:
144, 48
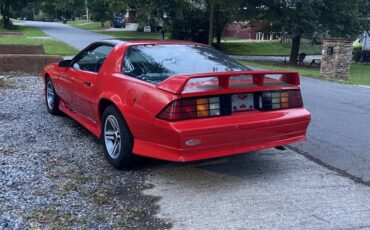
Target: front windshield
155, 63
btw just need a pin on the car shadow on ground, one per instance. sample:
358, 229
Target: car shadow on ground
247, 166
252, 166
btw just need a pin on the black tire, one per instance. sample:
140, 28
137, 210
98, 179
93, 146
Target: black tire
123, 157
53, 108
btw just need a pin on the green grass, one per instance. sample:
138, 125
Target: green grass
33, 36
359, 74
85, 25
265, 48
133, 35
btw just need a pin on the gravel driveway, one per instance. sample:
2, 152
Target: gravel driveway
53, 173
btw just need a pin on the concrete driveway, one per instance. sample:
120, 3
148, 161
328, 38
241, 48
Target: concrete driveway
268, 189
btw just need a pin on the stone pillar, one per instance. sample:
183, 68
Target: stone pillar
336, 58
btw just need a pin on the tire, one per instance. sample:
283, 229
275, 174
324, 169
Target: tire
51, 98
117, 139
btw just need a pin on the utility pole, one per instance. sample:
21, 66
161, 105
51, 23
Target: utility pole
211, 21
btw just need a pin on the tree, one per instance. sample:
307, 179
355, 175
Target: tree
8, 7
345, 18
100, 10
5, 12
295, 17
301, 18
226, 12
58, 9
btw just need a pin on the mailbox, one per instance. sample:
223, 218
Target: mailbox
330, 50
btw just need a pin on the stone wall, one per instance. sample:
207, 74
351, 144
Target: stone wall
336, 58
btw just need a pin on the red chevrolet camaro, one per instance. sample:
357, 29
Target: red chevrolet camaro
176, 101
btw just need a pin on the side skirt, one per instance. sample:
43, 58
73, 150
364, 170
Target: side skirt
93, 128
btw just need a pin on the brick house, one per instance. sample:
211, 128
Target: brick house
245, 30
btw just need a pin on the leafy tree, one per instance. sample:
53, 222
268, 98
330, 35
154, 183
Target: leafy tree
100, 10
60, 8
226, 12
7, 9
301, 18
118, 7
345, 18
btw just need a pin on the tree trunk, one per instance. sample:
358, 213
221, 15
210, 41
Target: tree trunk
211, 21
296, 42
218, 36
5, 13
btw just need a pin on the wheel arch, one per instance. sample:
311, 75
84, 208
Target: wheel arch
104, 103
45, 76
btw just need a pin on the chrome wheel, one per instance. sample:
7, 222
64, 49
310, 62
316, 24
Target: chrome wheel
112, 136
50, 95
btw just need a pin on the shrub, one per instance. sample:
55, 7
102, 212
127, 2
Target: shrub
357, 50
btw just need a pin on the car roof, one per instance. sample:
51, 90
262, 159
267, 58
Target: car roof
118, 41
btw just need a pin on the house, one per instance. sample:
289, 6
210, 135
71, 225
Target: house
245, 30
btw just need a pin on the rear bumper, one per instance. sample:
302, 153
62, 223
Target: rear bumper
225, 136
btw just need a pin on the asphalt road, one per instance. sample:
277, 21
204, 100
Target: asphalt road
74, 37
339, 135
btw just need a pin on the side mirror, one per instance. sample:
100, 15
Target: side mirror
65, 63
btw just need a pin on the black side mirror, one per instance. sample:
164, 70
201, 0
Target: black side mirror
65, 63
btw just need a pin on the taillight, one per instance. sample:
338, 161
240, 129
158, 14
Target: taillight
184, 109
280, 100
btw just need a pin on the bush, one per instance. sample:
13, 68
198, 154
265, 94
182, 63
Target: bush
359, 55
357, 50
365, 56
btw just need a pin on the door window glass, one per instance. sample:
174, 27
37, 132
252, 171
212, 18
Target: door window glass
93, 59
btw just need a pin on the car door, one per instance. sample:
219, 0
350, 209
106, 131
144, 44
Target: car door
84, 75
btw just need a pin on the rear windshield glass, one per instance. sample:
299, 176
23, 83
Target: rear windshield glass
155, 63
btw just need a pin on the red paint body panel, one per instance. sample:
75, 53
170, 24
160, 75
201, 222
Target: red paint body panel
140, 103
223, 136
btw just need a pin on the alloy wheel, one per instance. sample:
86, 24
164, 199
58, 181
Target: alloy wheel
50, 95
112, 136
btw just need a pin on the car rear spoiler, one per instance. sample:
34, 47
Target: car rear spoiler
177, 84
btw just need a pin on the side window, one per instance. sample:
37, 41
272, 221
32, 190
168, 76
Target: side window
129, 62
139, 64
93, 59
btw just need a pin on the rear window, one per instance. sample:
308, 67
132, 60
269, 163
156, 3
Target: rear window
155, 63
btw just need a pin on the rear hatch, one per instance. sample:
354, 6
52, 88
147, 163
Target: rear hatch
222, 94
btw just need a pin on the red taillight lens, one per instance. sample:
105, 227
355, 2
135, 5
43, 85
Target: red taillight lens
280, 100
184, 109
191, 108
295, 99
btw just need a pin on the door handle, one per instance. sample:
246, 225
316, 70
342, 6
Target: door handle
87, 84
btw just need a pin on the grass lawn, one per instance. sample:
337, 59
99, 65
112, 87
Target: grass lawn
359, 75
265, 48
33, 36
134, 35
85, 25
